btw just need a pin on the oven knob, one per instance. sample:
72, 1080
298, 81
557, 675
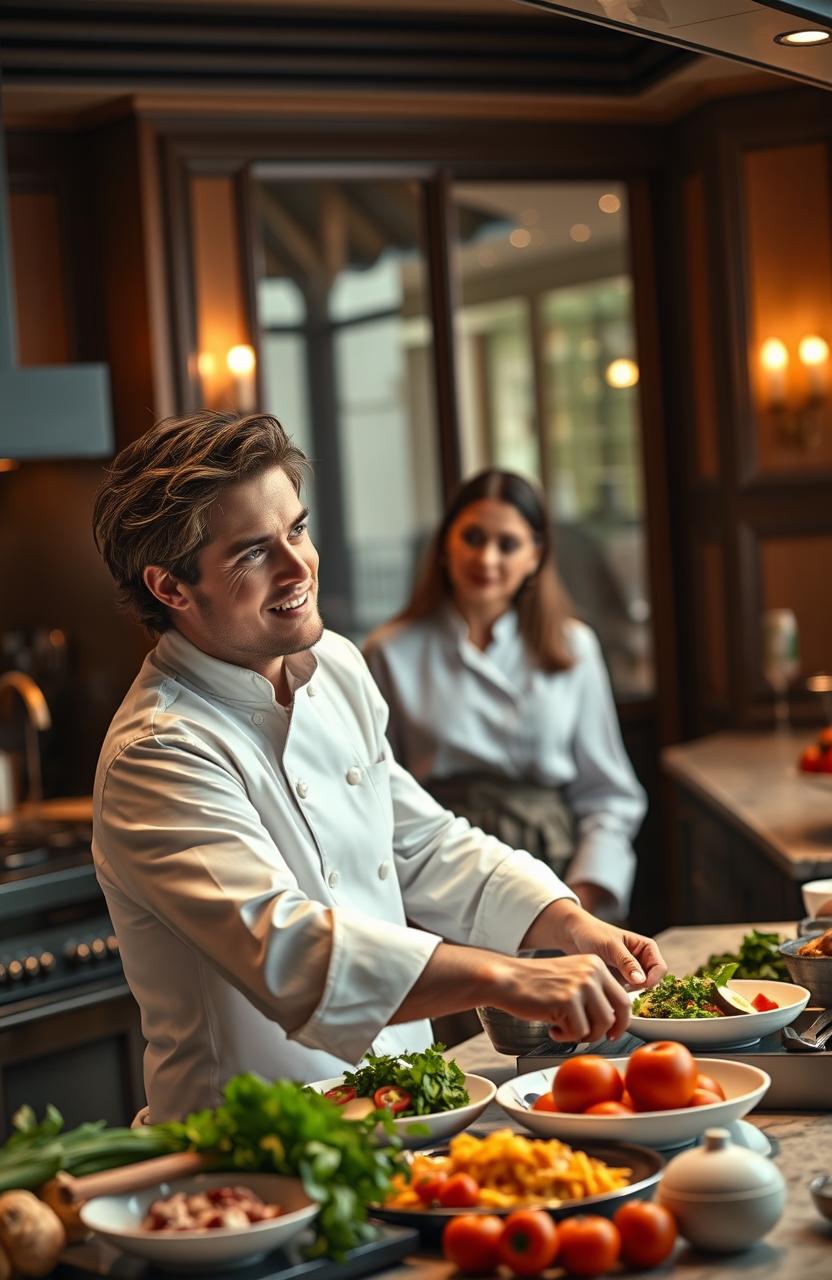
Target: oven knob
15, 970
47, 961
77, 952
99, 949
112, 945
4, 977
31, 966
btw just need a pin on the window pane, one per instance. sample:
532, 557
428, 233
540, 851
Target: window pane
548, 387
347, 367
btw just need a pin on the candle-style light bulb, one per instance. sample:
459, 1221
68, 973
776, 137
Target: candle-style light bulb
814, 355
774, 358
241, 361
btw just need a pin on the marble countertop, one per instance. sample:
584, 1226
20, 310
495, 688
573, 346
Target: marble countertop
752, 781
800, 1244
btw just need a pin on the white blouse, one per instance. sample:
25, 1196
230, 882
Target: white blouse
456, 709
249, 858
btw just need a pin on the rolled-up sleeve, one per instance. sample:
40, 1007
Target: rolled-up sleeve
181, 836
605, 795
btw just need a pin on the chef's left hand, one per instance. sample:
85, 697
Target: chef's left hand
565, 925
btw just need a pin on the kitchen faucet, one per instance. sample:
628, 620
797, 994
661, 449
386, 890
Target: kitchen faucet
37, 718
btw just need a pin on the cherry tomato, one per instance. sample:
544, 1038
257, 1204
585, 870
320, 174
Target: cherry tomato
459, 1192
530, 1241
648, 1233
704, 1098
472, 1242
762, 1003
609, 1109
589, 1245
544, 1103
340, 1094
810, 760
392, 1098
583, 1081
712, 1086
661, 1076
429, 1187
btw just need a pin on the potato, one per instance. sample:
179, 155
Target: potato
30, 1232
56, 1195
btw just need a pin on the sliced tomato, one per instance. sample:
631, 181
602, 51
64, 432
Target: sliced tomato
762, 1003
340, 1094
392, 1098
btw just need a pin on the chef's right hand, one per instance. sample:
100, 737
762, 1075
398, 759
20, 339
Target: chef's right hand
576, 995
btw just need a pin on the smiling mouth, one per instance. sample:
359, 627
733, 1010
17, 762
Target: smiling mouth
291, 606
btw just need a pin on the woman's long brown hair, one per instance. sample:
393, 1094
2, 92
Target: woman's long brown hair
542, 604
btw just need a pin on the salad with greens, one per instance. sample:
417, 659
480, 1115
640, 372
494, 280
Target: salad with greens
757, 957
411, 1084
694, 997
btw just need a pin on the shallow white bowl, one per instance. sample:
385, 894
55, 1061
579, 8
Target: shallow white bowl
739, 1029
118, 1219
442, 1124
816, 893
744, 1086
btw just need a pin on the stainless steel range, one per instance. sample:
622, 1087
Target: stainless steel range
69, 1029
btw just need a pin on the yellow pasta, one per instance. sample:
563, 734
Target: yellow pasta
510, 1170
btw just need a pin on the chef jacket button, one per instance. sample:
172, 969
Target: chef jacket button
311, 690
384, 871
302, 789
353, 776
333, 879
257, 718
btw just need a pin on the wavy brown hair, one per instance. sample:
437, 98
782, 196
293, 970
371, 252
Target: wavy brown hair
542, 603
154, 508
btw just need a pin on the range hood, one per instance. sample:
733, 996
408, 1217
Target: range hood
49, 411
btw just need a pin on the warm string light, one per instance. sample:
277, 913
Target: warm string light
621, 373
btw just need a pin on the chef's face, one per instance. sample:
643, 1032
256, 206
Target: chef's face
490, 551
257, 595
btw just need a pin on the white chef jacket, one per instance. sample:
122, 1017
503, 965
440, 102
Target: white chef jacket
457, 709
224, 834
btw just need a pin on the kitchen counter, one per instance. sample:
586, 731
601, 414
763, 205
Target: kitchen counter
800, 1244
752, 781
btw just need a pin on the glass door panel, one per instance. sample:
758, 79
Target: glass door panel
346, 343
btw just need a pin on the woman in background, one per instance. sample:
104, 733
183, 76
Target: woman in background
500, 703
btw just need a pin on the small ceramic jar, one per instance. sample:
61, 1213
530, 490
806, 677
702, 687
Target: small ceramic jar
723, 1197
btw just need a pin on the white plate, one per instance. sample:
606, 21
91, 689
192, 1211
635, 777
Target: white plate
744, 1086
118, 1219
441, 1124
731, 1030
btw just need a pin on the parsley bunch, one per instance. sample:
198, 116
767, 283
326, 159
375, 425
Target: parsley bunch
433, 1083
287, 1128
757, 957
684, 997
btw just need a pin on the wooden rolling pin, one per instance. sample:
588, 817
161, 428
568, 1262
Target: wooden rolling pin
132, 1177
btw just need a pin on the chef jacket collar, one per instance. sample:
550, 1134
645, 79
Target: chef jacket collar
505, 628
224, 680
485, 662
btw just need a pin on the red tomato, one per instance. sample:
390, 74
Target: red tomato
825, 762
825, 739
810, 760
609, 1109
762, 1003
459, 1192
589, 1245
626, 1101
648, 1233
429, 1187
544, 1103
712, 1086
661, 1076
392, 1098
583, 1081
704, 1098
340, 1094
472, 1242
530, 1241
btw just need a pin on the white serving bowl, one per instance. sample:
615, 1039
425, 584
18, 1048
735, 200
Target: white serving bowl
441, 1124
744, 1086
817, 893
118, 1219
731, 1030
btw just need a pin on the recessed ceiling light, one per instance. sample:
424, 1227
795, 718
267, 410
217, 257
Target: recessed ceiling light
799, 39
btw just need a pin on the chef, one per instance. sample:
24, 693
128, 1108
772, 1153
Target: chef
279, 886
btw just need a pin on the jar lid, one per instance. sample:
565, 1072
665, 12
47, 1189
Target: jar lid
719, 1167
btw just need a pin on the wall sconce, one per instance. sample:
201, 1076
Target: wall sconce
229, 384
799, 419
